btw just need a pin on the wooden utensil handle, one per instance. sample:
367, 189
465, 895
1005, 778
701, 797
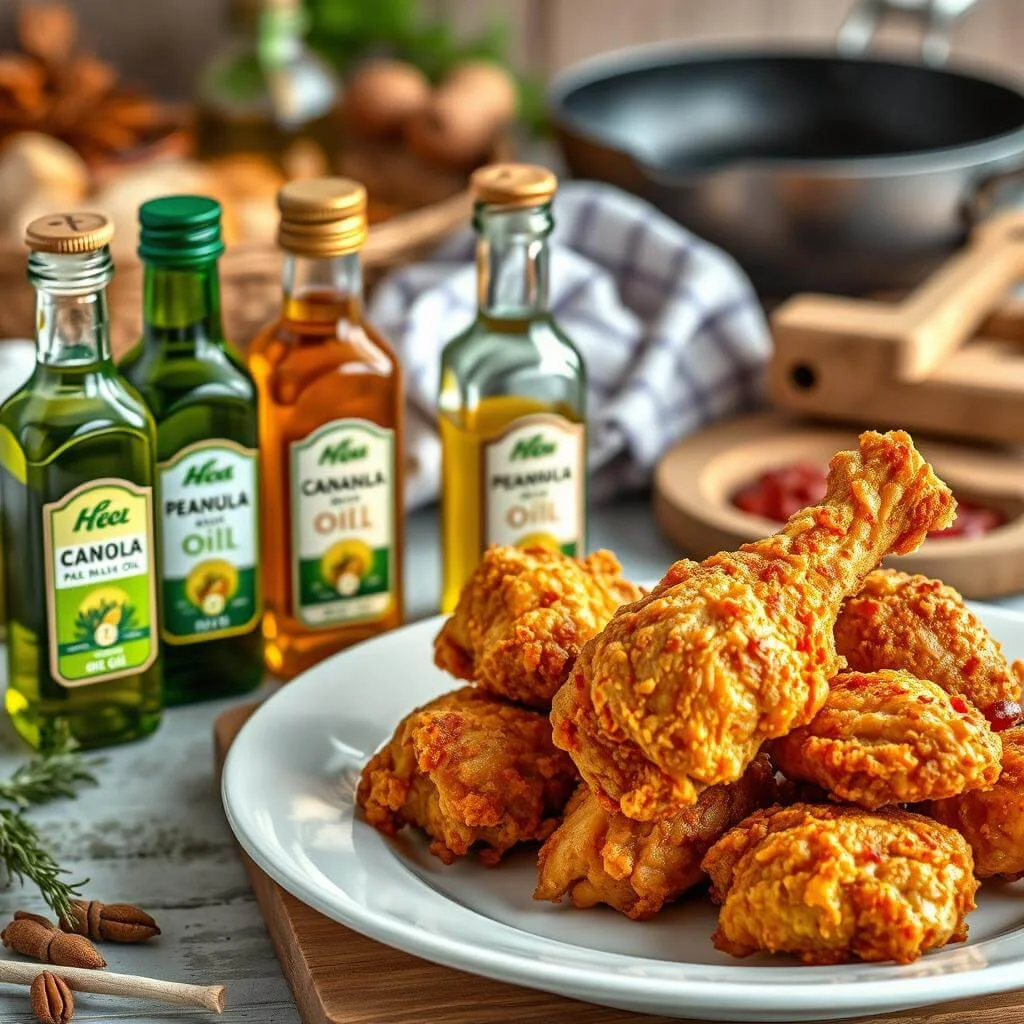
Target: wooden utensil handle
945, 311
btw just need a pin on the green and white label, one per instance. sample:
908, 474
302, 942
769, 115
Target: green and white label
533, 478
343, 524
100, 582
209, 537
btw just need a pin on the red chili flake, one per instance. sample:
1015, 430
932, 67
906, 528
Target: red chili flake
548, 598
959, 705
1003, 714
971, 665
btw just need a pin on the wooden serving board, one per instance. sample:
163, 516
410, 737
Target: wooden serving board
340, 977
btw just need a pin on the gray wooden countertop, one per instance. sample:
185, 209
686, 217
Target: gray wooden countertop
153, 833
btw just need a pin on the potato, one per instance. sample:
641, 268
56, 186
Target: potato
382, 95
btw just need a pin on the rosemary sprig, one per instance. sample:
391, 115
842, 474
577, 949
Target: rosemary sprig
24, 857
58, 772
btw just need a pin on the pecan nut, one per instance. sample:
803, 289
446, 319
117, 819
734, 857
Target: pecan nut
52, 1001
109, 922
30, 938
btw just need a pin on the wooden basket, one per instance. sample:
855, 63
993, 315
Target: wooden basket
250, 275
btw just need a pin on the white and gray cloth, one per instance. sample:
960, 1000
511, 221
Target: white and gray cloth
670, 329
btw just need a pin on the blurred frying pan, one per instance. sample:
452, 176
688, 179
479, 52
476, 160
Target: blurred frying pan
817, 172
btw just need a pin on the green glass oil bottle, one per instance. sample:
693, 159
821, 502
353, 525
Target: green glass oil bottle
205, 407
76, 473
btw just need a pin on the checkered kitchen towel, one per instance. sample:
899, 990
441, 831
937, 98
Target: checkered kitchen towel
670, 329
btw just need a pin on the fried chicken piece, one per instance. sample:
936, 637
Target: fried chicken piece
523, 617
830, 884
470, 770
907, 622
681, 688
993, 821
599, 856
890, 738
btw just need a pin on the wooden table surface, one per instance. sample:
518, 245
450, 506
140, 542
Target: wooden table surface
153, 833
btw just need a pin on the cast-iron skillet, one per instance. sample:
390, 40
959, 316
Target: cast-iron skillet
815, 171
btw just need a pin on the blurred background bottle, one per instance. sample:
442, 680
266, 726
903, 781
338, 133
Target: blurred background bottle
267, 92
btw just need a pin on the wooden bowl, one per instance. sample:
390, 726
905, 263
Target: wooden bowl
696, 481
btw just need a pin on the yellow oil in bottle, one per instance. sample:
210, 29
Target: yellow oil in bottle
465, 435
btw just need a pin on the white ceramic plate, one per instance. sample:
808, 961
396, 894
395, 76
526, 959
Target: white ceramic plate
288, 792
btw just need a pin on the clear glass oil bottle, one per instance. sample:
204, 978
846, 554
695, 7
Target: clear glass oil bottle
204, 403
513, 392
76, 471
330, 393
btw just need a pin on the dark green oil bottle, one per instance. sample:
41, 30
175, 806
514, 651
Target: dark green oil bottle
204, 404
76, 475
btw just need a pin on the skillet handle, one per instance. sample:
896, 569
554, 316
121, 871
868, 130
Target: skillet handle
936, 18
988, 194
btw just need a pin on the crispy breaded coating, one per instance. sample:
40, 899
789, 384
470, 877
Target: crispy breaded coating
897, 621
681, 688
993, 821
523, 617
599, 856
889, 738
830, 884
473, 772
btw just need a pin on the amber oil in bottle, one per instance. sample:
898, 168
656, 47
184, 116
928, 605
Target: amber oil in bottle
330, 401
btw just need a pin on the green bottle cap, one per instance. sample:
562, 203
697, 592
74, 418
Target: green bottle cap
180, 231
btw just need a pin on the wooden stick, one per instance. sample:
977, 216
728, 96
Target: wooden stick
81, 979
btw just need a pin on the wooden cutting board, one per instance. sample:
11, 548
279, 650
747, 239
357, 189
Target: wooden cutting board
340, 977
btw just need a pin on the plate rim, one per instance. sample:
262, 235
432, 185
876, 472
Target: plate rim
755, 994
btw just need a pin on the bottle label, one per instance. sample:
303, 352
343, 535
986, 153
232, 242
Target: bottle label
343, 523
100, 583
533, 477
209, 532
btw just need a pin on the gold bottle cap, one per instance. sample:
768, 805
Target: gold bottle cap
69, 232
322, 216
513, 185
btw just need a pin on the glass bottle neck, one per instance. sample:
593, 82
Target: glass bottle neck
512, 257
322, 289
181, 307
72, 330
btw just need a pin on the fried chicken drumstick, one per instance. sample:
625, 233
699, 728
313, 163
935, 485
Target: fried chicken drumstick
523, 617
830, 884
897, 621
471, 771
600, 856
889, 738
681, 688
